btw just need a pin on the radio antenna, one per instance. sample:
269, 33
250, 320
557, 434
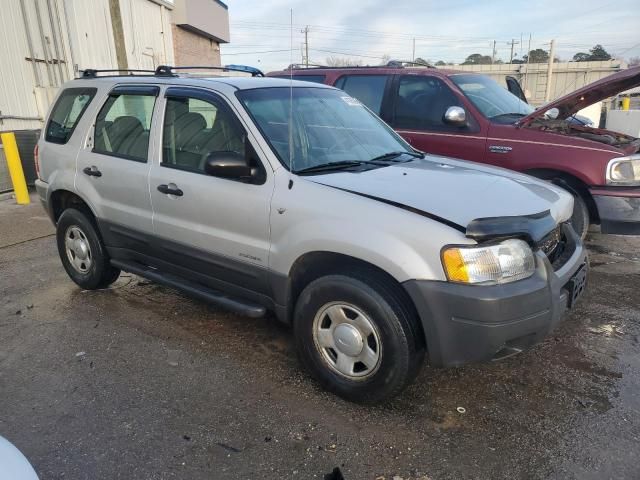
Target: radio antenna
291, 169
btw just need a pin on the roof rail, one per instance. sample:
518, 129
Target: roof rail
93, 73
402, 63
300, 66
390, 64
167, 70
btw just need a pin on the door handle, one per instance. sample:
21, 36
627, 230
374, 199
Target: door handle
92, 171
170, 189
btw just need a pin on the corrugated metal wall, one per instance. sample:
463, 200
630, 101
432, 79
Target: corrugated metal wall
566, 76
147, 33
44, 43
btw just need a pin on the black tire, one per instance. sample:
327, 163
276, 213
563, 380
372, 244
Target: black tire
580, 219
402, 342
99, 273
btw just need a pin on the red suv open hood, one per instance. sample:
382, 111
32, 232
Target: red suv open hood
588, 95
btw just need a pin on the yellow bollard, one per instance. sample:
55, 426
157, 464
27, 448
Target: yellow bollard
15, 167
626, 103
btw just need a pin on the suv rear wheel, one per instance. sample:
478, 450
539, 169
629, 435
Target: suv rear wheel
82, 252
359, 340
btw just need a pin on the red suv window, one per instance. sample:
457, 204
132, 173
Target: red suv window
369, 89
421, 103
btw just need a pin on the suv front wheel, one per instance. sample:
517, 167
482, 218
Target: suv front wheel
82, 252
357, 337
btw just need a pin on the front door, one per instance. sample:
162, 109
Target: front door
215, 227
419, 105
113, 166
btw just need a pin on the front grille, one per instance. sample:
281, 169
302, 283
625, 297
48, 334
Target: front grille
558, 246
551, 241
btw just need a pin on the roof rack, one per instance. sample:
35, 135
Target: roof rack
389, 64
301, 66
169, 71
402, 63
93, 73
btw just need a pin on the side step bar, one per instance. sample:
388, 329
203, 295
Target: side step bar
240, 306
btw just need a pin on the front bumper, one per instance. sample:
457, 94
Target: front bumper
473, 323
619, 214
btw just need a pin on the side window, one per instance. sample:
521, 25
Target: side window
193, 129
369, 89
123, 125
67, 112
421, 103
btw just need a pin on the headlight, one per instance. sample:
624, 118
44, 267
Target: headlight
624, 171
504, 262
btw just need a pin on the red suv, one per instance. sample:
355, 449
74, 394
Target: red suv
470, 116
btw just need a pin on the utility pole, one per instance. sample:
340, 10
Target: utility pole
413, 59
493, 53
306, 46
552, 51
513, 43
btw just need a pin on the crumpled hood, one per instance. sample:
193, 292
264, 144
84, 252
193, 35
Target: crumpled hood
455, 190
588, 95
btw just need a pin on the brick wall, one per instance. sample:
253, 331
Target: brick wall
192, 49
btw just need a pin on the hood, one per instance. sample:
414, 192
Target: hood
459, 193
588, 95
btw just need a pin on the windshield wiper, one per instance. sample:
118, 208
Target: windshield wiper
393, 155
324, 167
512, 114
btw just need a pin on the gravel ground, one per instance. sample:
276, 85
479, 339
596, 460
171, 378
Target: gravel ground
138, 381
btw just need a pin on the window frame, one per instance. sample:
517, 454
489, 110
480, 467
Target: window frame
221, 104
472, 124
139, 90
92, 91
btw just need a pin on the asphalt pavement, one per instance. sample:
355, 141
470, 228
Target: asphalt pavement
140, 382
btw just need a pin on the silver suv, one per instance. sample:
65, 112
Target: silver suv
265, 194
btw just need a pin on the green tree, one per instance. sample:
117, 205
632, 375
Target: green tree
421, 61
598, 53
536, 56
581, 57
440, 63
477, 59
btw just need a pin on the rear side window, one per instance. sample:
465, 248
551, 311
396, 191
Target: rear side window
67, 112
369, 89
123, 126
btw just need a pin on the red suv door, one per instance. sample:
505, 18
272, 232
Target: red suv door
418, 108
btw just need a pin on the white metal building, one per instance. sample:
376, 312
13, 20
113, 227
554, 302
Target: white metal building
47, 42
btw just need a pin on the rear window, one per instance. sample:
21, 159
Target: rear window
305, 78
67, 112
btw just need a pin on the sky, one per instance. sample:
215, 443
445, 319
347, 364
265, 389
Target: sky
447, 30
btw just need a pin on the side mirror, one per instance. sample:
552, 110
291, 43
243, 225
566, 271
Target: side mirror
455, 116
552, 114
230, 165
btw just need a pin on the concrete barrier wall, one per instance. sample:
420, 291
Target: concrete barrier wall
566, 76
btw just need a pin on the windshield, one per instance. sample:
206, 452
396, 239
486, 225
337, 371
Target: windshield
328, 126
494, 102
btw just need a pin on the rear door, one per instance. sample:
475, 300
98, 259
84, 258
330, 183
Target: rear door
214, 227
113, 166
419, 105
